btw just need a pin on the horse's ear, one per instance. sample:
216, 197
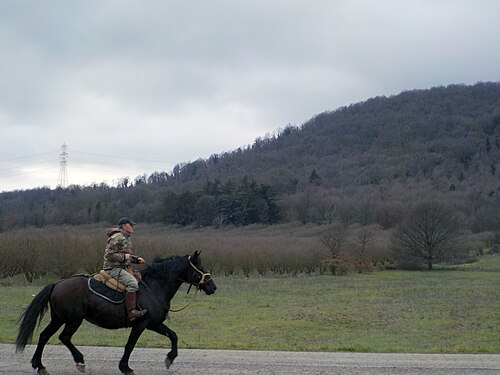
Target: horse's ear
196, 254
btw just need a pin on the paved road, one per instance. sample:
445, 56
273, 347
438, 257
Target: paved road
104, 361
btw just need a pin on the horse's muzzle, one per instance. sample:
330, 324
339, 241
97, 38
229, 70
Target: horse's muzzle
209, 287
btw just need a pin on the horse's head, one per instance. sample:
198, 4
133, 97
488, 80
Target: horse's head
197, 274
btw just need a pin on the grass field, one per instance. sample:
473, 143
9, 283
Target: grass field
442, 311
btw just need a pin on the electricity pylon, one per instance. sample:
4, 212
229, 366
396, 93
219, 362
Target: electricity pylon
62, 180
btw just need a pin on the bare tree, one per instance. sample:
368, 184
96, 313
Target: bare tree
427, 235
333, 237
364, 239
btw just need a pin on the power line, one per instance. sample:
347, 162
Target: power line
27, 156
119, 157
52, 161
18, 165
107, 156
38, 168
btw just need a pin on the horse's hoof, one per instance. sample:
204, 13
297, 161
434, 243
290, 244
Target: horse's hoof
80, 367
43, 371
168, 363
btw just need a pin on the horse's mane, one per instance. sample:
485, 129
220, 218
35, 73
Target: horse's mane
163, 268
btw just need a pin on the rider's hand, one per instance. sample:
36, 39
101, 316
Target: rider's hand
140, 260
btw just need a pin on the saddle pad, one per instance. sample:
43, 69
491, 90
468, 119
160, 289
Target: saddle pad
103, 291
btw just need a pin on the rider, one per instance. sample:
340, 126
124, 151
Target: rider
117, 259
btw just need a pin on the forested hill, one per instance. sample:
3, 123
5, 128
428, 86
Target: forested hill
370, 161
448, 133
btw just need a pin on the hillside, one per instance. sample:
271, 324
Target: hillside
440, 143
370, 161
448, 132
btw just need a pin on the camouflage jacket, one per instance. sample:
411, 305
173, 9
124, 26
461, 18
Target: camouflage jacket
119, 244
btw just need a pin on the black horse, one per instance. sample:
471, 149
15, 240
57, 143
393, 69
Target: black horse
71, 302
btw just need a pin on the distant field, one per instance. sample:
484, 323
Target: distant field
442, 311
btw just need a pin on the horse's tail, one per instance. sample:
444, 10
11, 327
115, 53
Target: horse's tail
35, 311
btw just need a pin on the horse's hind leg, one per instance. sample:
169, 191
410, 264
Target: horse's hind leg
69, 330
45, 335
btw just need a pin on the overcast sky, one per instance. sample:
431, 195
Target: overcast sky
134, 87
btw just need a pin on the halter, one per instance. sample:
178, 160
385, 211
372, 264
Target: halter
204, 277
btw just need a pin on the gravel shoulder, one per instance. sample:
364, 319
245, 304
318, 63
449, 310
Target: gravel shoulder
104, 361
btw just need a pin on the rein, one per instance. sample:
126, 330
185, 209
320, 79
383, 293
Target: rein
189, 303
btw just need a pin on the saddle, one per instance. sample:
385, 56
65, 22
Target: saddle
109, 281
104, 285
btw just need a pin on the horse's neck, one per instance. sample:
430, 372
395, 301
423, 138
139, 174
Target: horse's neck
164, 278
164, 292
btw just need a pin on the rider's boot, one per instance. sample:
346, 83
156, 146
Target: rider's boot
130, 303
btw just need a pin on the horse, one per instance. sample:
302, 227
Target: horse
71, 301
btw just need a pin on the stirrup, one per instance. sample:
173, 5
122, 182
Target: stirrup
134, 314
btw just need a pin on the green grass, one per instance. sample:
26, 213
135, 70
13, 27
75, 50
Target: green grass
439, 311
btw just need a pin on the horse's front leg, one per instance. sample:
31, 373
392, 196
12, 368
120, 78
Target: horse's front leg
136, 332
163, 330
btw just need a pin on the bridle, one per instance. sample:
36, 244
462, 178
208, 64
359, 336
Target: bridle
204, 278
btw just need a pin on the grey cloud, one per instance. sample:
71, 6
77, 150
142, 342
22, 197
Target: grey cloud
226, 70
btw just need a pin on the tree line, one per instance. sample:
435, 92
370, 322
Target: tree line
223, 204
215, 204
374, 161
431, 235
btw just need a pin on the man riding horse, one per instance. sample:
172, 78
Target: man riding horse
117, 263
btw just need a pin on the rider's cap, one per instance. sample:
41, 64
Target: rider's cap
125, 220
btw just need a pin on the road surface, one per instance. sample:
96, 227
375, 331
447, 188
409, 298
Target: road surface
104, 361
